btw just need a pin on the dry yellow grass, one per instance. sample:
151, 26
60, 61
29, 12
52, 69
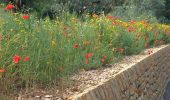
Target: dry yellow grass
167, 30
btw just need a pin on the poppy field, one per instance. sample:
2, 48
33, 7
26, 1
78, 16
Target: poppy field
42, 51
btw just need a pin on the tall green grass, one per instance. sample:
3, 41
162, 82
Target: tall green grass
62, 47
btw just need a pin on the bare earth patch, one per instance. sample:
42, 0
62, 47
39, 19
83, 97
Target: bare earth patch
86, 79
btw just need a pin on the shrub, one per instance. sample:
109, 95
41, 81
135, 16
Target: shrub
167, 9
129, 8
141, 9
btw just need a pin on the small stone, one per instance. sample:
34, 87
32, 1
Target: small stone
48, 97
58, 98
37, 97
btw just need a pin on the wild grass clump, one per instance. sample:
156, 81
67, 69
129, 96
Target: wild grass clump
36, 51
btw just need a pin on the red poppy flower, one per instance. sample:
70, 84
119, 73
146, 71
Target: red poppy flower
114, 23
26, 17
156, 42
9, 7
131, 29
76, 46
89, 55
109, 17
105, 57
16, 59
144, 22
87, 42
27, 58
86, 61
2, 70
132, 21
103, 60
65, 27
146, 38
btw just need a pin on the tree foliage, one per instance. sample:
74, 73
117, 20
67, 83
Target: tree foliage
158, 8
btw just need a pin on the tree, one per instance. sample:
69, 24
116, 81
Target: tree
167, 9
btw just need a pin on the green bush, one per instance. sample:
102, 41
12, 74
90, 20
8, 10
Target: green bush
129, 8
141, 9
167, 9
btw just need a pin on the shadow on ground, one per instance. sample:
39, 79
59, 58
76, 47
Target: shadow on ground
167, 93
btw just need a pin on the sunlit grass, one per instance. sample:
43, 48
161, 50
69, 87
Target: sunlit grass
61, 47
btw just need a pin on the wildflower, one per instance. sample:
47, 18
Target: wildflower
65, 27
2, 70
53, 44
146, 38
26, 17
105, 57
113, 49
156, 42
16, 59
76, 46
95, 16
121, 50
22, 31
27, 58
109, 17
86, 61
95, 48
9, 7
131, 29
114, 23
103, 60
89, 55
144, 21
86, 43
132, 21
151, 28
